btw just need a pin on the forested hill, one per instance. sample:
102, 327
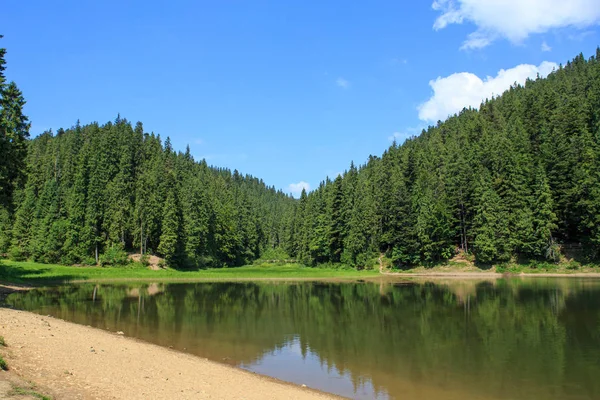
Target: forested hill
519, 177
94, 190
89, 194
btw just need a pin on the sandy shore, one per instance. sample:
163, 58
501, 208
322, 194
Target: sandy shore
70, 361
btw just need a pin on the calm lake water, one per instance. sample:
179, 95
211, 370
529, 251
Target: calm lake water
506, 339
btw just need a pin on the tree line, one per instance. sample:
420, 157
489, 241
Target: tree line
517, 178
102, 189
87, 194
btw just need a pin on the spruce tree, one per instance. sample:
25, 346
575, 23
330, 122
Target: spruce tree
170, 239
544, 218
337, 225
491, 224
14, 132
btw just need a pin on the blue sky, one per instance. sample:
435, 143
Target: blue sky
288, 91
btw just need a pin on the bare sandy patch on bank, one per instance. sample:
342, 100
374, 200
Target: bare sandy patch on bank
79, 362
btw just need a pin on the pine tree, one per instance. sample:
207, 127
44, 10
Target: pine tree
337, 228
170, 238
491, 224
544, 218
120, 190
14, 132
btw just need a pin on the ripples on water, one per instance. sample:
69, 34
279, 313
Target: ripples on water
506, 339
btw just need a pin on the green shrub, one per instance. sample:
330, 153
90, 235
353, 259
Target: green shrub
403, 260
89, 261
68, 259
553, 251
114, 256
546, 266
508, 268
145, 260
137, 265
469, 257
206, 262
15, 254
573, 265
361, 260
3, 364
273, 254
2, 341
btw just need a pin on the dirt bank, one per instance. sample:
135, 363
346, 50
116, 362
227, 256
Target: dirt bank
69, 361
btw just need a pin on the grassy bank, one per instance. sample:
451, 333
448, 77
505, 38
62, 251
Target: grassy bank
32, 273
526, 267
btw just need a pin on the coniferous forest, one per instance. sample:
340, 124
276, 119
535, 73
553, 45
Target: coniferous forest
519, 178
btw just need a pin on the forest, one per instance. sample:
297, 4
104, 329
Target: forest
517, 178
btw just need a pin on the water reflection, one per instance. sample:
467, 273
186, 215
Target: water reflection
517, 339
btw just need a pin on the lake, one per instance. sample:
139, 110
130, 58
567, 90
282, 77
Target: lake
531, 338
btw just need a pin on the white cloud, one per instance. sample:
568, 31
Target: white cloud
545, 47
296, 188
457, 91
514, 20
343, 83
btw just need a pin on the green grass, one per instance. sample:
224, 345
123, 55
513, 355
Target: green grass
530, 268
466, 264
31, 273
2, 341
3, 364
20, 391
547, 267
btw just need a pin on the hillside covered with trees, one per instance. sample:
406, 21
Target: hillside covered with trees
103, 189
517, 178
86, 194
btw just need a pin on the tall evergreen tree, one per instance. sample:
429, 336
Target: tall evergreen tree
14, 132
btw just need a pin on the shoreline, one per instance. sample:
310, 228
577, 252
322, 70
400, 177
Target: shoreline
16, 275
7, 288
71, 361
472, 274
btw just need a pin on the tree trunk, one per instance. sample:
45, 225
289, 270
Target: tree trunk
141, 237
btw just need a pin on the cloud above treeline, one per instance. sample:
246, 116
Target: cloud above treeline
296, 188
514, 20
343, 83
545, 47
464, 89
